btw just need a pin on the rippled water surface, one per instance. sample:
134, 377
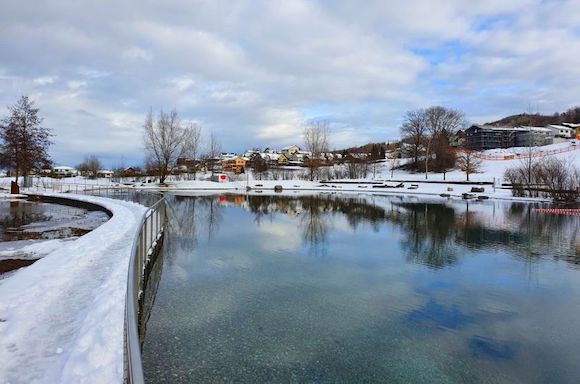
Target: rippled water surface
329, 289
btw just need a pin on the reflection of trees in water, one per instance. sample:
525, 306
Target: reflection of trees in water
213, 217
316, 213
428, 230
431, 232
314, 225
188, 217
527, 234
555, 235
152, 278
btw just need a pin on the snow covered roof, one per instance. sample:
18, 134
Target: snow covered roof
64, 168
517, 129
533, 129
572, 125
555, 126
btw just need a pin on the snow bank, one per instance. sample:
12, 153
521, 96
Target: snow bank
29, 249
62, 318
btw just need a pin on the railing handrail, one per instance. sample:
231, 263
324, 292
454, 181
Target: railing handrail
137, 262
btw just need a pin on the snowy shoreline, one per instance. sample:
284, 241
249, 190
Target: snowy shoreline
62, 318
292, 187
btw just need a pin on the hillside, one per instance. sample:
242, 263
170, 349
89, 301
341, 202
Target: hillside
572, 115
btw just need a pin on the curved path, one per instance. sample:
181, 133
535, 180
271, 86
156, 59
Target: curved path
62, 318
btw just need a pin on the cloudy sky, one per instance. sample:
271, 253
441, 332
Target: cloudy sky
253, 71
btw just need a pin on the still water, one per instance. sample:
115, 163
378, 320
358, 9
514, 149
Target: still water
333, 289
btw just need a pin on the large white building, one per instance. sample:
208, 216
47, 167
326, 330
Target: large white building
562, 131
64, 171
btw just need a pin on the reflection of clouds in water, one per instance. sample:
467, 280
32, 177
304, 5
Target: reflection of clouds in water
279, 234
180, 273
496, 349
255, 299
435, 314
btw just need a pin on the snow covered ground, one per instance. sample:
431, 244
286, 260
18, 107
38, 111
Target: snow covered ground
571, 145
62, 318
492, 172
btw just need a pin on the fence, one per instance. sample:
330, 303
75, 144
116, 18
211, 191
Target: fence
147, 239
513, 156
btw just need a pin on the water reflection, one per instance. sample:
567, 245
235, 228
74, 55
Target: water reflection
339, 288
431, 230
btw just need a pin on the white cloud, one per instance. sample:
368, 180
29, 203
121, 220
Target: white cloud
253, 72
44, 80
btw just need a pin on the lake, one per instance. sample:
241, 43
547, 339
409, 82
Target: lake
345, 288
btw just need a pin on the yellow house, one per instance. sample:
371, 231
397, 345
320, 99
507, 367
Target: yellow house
282, 160
236, 165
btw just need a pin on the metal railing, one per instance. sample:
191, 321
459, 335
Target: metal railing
147, 239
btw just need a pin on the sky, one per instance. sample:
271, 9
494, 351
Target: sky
253, 72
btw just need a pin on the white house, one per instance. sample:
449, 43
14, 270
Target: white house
290, 150
562, 131
64, 171
105, 173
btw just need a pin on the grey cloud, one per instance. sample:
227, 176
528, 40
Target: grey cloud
253, 71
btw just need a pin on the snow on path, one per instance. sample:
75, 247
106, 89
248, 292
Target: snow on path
62, 318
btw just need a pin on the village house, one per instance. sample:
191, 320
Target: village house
562, 131
282, 160
131, 172
235, 165
184, 164
64, 171
290, 150
105, 173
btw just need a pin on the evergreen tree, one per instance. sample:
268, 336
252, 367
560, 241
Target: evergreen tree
24, 141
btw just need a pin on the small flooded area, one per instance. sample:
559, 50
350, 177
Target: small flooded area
361, 289
29, 230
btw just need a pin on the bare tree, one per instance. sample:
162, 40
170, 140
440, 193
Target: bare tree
442, 124
393, 161
259, 165
561, 178
213, 152
468, 162
414, 132
357, 167
192, 146
555, 177
165, 139
90, 166
316, 142
24, 141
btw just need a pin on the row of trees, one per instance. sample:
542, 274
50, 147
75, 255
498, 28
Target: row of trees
551, 177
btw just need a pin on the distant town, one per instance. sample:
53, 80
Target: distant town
293, 157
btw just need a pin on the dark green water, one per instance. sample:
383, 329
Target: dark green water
333, 289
